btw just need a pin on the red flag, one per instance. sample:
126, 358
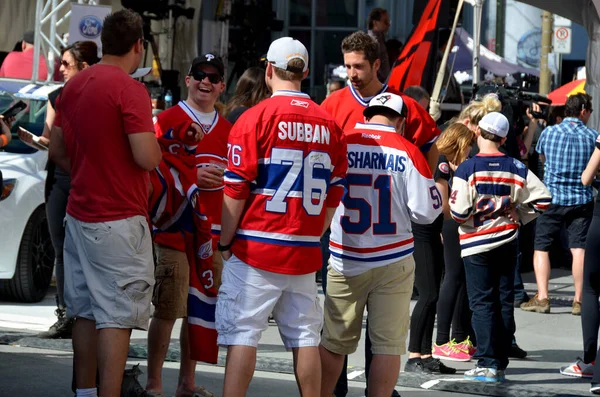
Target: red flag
417, 61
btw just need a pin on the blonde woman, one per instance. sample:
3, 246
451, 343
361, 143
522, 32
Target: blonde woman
454, 146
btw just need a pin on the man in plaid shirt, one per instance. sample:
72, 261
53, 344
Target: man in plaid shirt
567, 148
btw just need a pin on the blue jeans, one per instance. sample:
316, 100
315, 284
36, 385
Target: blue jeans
490, 287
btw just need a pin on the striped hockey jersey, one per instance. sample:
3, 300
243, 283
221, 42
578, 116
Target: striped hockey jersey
483, 189
176, 217
287, 158
389, 184
347, 106
212, 152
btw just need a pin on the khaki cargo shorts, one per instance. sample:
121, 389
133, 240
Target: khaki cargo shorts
109, 272
172, 274
386, 291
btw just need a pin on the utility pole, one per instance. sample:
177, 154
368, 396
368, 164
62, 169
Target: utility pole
547, 32
500, 26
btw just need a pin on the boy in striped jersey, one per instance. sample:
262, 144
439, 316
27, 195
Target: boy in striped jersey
491, 192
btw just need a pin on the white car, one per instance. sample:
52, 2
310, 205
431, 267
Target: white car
26, 253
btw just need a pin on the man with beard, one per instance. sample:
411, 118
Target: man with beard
361, 58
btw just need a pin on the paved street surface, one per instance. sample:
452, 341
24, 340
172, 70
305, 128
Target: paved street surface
33, 367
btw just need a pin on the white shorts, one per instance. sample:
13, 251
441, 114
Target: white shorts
249, 295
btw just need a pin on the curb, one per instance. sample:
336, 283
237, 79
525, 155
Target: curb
454, 384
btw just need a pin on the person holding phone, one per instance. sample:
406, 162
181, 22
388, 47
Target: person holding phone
75, 58
5, 134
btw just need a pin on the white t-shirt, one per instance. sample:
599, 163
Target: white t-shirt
206, 120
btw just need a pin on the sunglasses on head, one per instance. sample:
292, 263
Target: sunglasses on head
199, 75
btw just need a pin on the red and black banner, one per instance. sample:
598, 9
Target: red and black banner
417, 62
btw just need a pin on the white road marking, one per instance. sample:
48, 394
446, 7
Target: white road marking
355, 374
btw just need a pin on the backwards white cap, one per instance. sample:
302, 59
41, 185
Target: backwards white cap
283, 50
388, 101
495, 123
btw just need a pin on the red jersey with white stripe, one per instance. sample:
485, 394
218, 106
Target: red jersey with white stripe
347, 106
287, 157
483, 189
211, 152
389, 184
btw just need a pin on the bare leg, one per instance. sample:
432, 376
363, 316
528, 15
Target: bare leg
84, 348
159, 337
113, 346
307, 368
239, 370
541, 265
331, 368
578, 255
187, 367
383, 375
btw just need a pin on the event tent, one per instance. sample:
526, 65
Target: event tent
463, 51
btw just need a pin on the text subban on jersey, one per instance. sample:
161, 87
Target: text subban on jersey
303, 132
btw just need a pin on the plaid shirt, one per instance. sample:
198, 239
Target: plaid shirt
567, 147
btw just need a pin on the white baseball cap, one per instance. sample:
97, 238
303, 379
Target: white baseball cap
385, 101
495, 123
283, 50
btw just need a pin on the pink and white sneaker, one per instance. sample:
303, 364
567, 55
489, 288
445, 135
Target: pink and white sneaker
467, 345
450, 351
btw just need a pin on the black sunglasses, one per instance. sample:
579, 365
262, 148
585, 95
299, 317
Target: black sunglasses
67, 64
199, 75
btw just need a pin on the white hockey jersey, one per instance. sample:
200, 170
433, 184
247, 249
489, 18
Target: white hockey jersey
389, 184
483, 189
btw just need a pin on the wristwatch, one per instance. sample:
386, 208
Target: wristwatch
223, 248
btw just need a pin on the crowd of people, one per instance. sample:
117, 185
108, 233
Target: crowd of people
221, 216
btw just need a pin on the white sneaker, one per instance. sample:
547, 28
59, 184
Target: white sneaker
578, 369
482, 374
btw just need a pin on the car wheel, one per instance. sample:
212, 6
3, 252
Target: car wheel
35, 262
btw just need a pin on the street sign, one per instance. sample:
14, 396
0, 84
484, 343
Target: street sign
561, 21
562, 40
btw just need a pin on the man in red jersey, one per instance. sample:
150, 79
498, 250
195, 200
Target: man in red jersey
205, 83
287, 161
361, 58
108, 248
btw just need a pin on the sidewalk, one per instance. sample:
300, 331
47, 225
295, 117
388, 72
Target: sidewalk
552, 340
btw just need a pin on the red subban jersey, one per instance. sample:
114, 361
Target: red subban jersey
288, 158
347, 107
211, 151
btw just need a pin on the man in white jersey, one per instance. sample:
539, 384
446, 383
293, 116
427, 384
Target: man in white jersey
389, 185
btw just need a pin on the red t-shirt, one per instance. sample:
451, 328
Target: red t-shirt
98, 109
19, 65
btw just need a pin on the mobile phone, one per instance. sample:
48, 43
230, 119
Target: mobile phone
36, 142
14, 110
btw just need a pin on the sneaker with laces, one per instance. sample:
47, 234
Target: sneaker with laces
61, 329
537, 305
578, 369
450, 351
576, 311
482, 374
516, 352
467, 345
435, 366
